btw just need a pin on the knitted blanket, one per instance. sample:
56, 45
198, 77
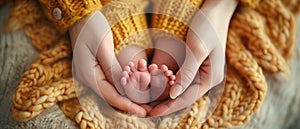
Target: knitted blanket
257, 40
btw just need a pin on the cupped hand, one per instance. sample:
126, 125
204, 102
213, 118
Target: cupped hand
196, 85
204, 64
95, 64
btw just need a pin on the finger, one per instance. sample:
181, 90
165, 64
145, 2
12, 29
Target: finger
196, 53
173, 105
138, 96
217, 64
90, 74
200, 28
204, 72
99, 42
109, 63
112, 97
193, 93
147, 107
84, 73
213, 42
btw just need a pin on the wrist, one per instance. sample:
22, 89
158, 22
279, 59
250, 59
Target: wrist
216, 9
75, 29
219, 13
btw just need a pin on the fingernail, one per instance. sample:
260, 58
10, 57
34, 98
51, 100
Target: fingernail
176, 91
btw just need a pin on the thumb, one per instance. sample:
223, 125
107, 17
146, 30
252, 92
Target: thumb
109, 63
196, 53
99, 41
107, 59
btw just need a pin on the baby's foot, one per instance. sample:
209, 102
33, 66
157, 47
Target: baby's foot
161, 81
136, 82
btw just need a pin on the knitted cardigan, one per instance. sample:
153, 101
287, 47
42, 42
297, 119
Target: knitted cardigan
257, 41
119, 11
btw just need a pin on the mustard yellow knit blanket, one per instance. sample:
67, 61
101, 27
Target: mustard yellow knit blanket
257, 40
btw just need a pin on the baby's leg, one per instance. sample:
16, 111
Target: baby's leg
131, 54
135, 82
169, 54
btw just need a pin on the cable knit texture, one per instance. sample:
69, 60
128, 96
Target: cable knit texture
128, 22
72, 10
257, 41
171, 18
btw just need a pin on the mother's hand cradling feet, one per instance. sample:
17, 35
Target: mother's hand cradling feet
204, 64
95, 64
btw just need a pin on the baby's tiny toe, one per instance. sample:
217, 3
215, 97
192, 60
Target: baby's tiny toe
131, 66
142, 65
164, 68
127, 69
152, 68
125, 74
172, 77
123, 81
171, 82
168, 73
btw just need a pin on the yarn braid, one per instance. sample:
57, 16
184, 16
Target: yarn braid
172, 17
19, 19
261, 46
279, 25
49, 80
44, 84
42, 41
69, 15
292, 5
89, 114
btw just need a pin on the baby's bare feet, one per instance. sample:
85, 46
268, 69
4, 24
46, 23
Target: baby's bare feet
161, 81
136, 82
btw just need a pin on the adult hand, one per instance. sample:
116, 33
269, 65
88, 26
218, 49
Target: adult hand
199, 85
204, 63
95, 64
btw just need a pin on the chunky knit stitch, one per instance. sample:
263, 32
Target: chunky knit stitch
172, 18
254, 44
72, 11
128, 23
